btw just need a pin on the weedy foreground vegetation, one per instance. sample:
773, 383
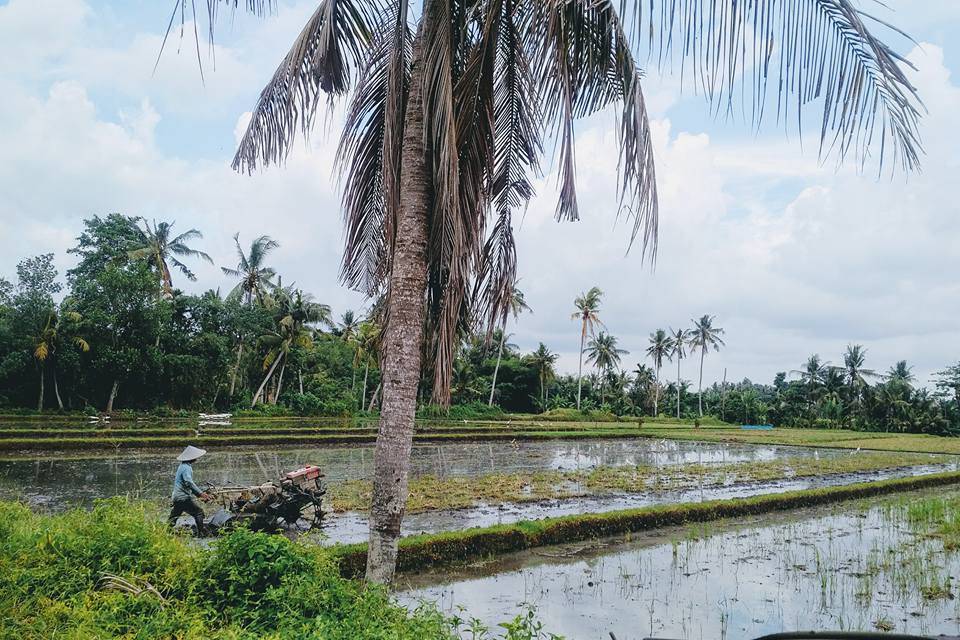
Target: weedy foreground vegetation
116, 571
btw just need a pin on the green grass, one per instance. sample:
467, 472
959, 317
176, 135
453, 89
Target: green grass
55, 583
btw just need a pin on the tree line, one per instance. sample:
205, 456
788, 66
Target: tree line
123, 336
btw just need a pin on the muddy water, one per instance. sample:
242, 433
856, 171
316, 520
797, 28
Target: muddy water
63, 481
852, 568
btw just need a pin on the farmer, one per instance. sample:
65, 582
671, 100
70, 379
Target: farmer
185, 490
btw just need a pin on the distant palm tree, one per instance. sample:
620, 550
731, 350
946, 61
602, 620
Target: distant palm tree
368, 341
293, 314
902, 373
161, 249
588, 312
256, 278
645, 378
543, 360
348, 325
48, 341
813, 374
515, 305
855, 373
678, 344
704, 336
661, 347
603, 353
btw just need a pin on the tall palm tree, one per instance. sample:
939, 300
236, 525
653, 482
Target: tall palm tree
162, 250
604, 355
901, 373
294, 313
450, 103
588, 313
367, 340
855, 373
516, 304
543, 361
813, 375
48, 341
678, 346
704, 336
661, 347
348, 325
255, 279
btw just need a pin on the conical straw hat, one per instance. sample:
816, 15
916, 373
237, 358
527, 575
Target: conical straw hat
190, 453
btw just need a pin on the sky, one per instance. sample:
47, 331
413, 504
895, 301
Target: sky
793, 256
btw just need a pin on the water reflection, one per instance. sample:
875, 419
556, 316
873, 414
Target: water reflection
63, 481
855, 569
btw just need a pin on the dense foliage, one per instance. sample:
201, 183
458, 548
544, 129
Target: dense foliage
123, 337
116, 571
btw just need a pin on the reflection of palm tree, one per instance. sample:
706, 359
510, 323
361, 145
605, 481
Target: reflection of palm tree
678, 344
704, 336
602, 353
161, 250
543, 360
515, 306
661, 348
588, 313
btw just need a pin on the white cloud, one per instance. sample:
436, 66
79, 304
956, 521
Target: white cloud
792, 257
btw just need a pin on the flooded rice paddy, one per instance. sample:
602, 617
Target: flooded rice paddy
59, 482
860, 566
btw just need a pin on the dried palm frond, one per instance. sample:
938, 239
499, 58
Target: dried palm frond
133, 586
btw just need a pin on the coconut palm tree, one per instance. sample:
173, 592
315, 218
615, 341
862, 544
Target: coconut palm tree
588, 313
704, 336
367, 340
855, 373
256, 279
901, 373
678, 345
162, 250
543, 361
644, 380
49, 340
294, 314
604, 355
515, 306
450, 103
661, 347
813, 374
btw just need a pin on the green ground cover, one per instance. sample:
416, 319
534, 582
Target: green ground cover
429, 493
116, 571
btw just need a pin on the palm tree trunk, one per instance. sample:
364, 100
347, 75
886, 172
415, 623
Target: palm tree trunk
373, 398
496, 369
276, 395
113, 395
700, 385
236, 369
366, 373
56, 387
403, 337
543, 397
300, 378
583, 334
678, 388
40, 401
656, 395
256, 397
